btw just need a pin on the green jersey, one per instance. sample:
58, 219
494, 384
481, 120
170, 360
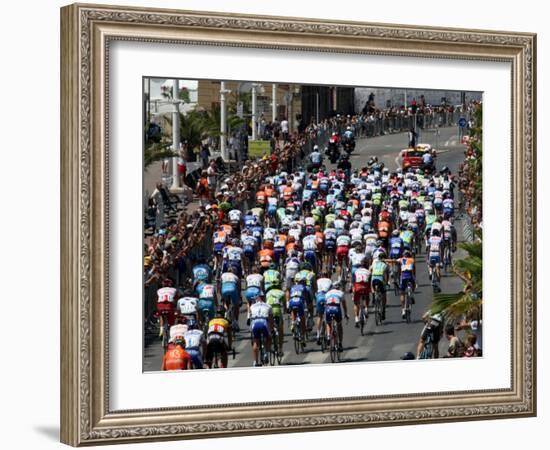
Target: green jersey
276, 298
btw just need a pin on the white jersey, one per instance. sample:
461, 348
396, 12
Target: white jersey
356, 258
187, 305
435, 244
254, 280
330, 234
235, 215
310, 243
177, 330
370, 239
292, 265
228, 277
334, 297
448, 203
324, 284
193, 339
437, 226
208, 291
361, 275
166, 295
378, 252
356, 235
309, 221
269, 234
404, 215
248, 240
343, 241
272, 201
260, 311
339, 224
295, 233
233, 253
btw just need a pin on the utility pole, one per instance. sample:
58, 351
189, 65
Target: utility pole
175, 134
223, 122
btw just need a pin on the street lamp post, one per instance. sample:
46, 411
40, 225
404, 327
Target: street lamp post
254, 111
175, 134
273, 102
223, 121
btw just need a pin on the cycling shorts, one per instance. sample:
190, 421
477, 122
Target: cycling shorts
309, 256
395, 254
165, 307
248, 252
196, 357
342, 252
252, 293
379, 280
215, 345
218, 248
278, 252
360, 290
259, 328
271, 211
320, 301
229, 290
235, 264
333, 312
208, 304
330, 244
298, 304
434, 260
406, 278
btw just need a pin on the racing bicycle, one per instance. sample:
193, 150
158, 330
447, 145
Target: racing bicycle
334, 341
408, 301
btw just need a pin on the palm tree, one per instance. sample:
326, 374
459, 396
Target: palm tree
156, 152
468, 302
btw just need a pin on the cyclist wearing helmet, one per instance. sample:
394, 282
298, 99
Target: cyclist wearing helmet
298, 296
176, 358
207, 301
272, 278
166, 303
250, 248
434, 254
195, 344
261, 324
231, 295
379, 279
408, 275
233, 256
275, 298
219, 338
360, 289
334, 302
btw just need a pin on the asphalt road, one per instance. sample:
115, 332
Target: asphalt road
394, 337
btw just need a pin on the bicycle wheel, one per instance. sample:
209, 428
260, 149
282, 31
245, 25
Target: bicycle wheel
165, 334
377, 307
323, 337
362, 319
297, 338
408, 304
333, 348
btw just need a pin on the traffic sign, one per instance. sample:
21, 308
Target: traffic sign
462, 122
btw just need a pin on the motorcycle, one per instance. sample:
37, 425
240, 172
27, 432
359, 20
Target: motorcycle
333, 151
349, 145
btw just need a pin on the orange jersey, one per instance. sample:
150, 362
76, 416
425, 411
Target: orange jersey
228, 229
319, 237
384, 229
290, 246
269, 191
260, 197
176, 358
287, 193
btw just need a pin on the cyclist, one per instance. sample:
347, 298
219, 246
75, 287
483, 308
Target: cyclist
233, 256
266, 256
297, 299
231, 295
272, 278
254, 288
176, 358
219, 338
407, 236
207, 301
195, 344
342, 248
408, 275
330, 246
250, 247
334, 302
166, 303
309, 244
275, 298
361, 290
434, 255
187, 306
261, 316
379, 279
324, 284
306, 274
292, 266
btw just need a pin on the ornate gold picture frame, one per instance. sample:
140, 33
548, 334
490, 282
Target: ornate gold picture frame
86, 34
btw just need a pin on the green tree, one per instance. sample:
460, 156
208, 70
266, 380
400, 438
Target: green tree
156, 152
468, 302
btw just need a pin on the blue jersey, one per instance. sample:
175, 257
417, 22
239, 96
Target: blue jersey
249, 221
298, 290
201, 272
396, 247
